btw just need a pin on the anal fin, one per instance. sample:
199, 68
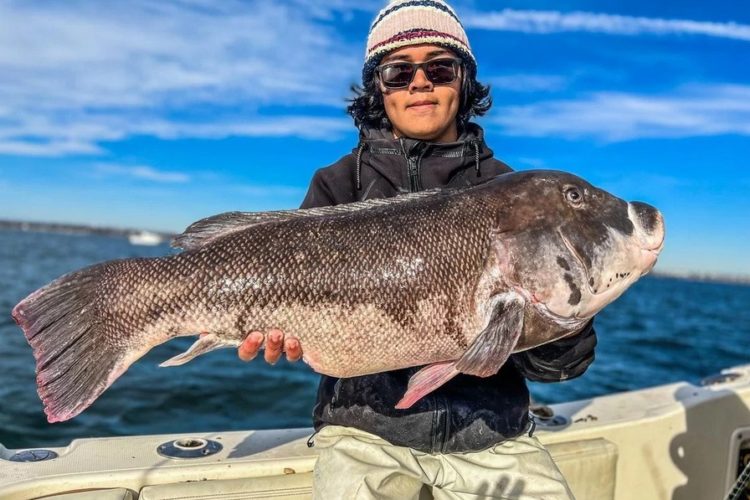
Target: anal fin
425, 381
206, 343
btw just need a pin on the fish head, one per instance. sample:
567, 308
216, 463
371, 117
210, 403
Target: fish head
571, 248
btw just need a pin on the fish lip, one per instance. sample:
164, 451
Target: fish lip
643, 234
653, 255
656, 250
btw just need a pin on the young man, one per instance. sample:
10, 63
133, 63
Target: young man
470, 438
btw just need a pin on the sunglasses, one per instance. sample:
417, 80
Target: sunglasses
399, 75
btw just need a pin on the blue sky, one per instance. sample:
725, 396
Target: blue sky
154, 114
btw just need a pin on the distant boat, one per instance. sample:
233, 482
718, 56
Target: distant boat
145, 238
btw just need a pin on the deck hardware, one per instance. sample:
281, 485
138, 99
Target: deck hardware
721, 378
739, 488
555, 421
33, 456
545, 416
189, 448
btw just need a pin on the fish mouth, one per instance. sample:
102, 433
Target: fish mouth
649, 257
649, 226
655, 248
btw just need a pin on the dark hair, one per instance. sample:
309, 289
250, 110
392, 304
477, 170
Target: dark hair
368, 110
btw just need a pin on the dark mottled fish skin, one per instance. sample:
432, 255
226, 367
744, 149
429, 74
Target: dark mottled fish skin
372, 287
343, 277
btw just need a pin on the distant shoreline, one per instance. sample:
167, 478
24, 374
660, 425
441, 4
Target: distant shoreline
81, 229
704, 277
78, 229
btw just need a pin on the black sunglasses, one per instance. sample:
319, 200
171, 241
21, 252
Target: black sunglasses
398, 75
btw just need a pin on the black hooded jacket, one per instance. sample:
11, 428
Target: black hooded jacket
468, 413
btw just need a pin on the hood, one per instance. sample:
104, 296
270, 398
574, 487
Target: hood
383, 138
470, 143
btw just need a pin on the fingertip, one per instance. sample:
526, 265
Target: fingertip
275, 335
244, 355
271, 357
250, 346
292, 346
255, 337
247, 353
293, 349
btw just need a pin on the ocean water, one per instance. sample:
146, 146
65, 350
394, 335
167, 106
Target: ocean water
661, 331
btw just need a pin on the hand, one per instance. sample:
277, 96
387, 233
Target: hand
273, 349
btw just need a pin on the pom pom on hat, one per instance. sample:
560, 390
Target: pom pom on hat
403, 23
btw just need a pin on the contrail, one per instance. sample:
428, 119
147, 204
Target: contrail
548, 21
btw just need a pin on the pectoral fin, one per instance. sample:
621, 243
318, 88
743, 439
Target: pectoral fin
492, 348
204, 344
486, 355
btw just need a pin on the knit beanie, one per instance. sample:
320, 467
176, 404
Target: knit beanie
403, 23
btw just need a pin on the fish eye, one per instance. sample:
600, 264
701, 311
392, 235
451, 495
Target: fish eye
573, 195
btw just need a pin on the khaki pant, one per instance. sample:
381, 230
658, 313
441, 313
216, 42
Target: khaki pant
354, 464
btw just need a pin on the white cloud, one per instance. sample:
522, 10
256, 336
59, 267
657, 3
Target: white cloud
76, 76
140, 172
698, 110
309, 127
50, 147
528, 82
82, 74
80, 132
547, 21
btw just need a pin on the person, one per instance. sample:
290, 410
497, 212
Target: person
470, 438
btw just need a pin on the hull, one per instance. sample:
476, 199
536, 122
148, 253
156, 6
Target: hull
677, 441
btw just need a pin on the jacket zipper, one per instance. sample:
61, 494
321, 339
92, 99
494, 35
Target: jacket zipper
413, 162
422, 154
413, 165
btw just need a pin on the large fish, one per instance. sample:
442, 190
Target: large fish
456, 280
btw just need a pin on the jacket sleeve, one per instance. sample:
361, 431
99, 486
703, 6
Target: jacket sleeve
563, 359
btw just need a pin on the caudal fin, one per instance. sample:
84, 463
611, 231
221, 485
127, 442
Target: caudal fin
76, 359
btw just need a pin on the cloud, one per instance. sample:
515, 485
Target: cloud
528, 82
140, 172
169, 69
547, 21
204, 69
80, 133
697, 110
309, 127
47, 147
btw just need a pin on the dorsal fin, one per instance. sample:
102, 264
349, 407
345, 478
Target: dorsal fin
210, 229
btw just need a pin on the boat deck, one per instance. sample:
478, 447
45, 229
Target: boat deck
677, 442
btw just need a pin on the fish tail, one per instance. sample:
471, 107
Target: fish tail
76, 359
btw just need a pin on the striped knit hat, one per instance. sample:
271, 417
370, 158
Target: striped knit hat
403, 23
